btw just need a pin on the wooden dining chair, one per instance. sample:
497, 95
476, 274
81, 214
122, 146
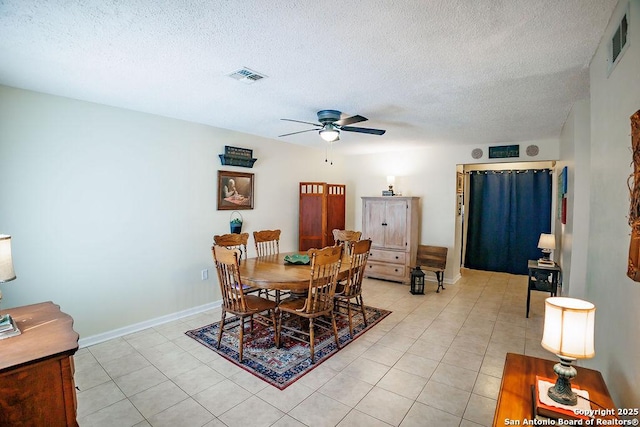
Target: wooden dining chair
267, 242
236, 241
351, 289
344, 237
325, 266
235, 300
233, 241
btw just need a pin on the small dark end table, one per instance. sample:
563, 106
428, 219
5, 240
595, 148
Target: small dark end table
545, 278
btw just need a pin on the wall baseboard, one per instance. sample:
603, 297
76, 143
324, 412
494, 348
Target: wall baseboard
116, 333
446, 281
97, 339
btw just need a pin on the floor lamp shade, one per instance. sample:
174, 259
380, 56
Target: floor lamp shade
569, 327
6, 262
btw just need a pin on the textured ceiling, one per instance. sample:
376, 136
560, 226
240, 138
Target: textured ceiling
430, 72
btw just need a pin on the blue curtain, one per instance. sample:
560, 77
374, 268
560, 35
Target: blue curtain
507, 212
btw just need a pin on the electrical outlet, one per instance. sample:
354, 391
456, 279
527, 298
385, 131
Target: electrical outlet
205, 274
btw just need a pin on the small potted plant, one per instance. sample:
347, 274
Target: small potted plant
236, 223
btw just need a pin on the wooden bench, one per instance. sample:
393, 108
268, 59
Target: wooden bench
434, 259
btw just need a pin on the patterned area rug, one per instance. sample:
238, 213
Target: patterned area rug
283, 366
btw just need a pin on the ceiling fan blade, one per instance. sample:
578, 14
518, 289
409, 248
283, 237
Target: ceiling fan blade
300, 121
302, 131
363, 130
350, 120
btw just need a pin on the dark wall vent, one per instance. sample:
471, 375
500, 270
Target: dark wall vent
619, 41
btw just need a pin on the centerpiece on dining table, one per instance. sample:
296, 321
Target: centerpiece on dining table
300, 259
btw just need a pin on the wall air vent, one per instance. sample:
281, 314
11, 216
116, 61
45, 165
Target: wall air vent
476, 153
532, 150
246, 75
619, 41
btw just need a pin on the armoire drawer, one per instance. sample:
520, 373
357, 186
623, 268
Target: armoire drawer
387, 256
391, 271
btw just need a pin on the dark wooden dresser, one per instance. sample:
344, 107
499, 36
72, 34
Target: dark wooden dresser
36, 368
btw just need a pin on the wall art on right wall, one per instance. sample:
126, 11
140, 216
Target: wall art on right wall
633, 268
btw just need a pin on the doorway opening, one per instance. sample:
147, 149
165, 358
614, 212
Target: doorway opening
502, 209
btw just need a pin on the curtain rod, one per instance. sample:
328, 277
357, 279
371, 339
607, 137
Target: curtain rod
550, 171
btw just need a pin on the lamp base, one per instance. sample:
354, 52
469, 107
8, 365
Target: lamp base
561, 392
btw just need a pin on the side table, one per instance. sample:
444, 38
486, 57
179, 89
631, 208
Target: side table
515, 402
542, 278
36, 368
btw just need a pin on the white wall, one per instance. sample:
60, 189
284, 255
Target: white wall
614, 98
572, 237
112, 212
430, 173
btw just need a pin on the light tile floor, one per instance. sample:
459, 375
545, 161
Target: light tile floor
436, 360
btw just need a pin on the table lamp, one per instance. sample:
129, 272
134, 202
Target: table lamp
547, 243
6, 263
391, 180
7, 325
568, 332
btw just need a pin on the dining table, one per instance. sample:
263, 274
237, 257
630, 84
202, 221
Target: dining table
272, 272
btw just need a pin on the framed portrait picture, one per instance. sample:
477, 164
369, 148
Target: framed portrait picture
235, 190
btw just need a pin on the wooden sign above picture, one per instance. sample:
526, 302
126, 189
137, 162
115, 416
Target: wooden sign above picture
235, 156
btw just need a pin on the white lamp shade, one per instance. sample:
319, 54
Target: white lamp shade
569, 327
6, 262
547, 241
391, 180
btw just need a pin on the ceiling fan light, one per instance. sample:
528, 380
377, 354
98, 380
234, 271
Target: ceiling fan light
330, 134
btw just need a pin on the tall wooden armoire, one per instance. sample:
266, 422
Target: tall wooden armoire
322, 208
392, 225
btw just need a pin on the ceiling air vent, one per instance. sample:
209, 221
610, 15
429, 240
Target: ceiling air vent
246, 75
619, 42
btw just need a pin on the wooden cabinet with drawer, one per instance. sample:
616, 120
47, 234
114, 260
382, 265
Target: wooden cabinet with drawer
392, 225
36, 368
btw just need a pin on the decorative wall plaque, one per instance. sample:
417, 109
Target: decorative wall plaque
504, 151
235, 156
476, 153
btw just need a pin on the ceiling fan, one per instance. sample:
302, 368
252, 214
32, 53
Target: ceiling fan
330, 125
